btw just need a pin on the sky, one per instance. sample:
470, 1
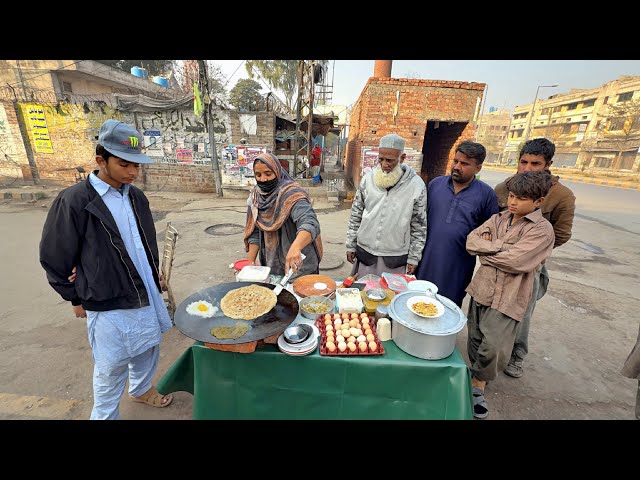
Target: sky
510, 82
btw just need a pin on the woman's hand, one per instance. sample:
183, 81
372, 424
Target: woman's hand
294, 259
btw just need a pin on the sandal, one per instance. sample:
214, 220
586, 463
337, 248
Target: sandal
480, 409
154, 398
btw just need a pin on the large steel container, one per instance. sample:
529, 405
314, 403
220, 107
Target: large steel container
428, 338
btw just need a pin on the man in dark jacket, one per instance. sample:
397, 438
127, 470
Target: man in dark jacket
102, 229
558, 207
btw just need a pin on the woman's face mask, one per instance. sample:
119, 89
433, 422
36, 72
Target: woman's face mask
269, 185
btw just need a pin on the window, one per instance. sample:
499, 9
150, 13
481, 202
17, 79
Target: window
627, 161
572, 106
568, 120
625, 97
602, 162
566, 129
589, 103
66, 87
606, 99
616, 123
584, 117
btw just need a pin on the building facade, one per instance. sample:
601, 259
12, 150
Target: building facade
593, 129
493, 129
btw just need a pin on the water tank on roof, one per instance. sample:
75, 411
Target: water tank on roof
162, 81
139, 72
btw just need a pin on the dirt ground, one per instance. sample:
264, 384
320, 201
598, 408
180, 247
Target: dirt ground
581, 332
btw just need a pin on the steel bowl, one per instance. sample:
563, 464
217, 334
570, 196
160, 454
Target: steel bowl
296, 334
376, 294
316, 301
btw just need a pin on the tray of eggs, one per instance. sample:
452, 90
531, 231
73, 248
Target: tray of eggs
347, 334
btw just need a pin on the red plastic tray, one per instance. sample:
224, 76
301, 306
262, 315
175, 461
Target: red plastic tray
347, 353
408, 278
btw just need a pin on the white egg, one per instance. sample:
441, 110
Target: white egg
202, 308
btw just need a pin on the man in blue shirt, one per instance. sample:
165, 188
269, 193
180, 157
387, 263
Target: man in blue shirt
103, 228
456, 205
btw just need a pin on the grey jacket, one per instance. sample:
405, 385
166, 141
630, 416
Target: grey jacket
302, 217
390, 223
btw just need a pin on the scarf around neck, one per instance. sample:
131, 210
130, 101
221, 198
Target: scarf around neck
268, 211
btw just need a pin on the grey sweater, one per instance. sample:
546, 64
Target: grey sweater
390, 223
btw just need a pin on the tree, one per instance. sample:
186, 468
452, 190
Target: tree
280, 74
217, 82
154, 67
619, 129
245, 96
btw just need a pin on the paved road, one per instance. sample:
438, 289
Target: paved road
582, 331
617, 208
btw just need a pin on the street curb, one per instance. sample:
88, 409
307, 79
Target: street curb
593, 181
606, 183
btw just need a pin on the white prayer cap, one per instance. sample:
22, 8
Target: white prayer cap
392, 141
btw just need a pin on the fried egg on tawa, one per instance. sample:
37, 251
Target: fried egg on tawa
202, 308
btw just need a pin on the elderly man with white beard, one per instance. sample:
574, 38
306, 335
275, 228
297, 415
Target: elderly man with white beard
388, 225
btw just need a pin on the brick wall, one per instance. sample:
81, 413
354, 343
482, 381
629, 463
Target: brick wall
168, 135
419, 101
264, 131
177, 178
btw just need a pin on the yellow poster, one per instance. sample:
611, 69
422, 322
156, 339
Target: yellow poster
38, 124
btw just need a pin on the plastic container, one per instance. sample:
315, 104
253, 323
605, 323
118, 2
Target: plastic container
370, 281
383, 329
395, 282
253, 273
371, 305
240, 264
348, 300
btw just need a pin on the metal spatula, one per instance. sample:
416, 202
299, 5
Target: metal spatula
285, 279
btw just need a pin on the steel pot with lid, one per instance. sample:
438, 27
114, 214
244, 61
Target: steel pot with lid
428, 338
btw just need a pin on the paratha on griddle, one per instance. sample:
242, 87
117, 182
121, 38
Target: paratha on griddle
226, 331
249, 302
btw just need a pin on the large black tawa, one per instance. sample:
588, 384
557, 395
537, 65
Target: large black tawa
271, 323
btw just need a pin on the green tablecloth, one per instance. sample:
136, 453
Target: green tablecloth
268, 384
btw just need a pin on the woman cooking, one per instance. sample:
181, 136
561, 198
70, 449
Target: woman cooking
281, 223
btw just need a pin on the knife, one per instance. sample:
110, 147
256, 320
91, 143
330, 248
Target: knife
286, 278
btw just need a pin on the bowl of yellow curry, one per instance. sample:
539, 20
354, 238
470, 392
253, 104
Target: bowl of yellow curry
425, 307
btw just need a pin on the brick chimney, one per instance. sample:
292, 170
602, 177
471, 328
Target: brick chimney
382, 68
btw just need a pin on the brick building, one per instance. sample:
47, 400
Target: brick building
433, 116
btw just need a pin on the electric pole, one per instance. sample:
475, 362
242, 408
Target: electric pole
208, 122
296, 142
310, 125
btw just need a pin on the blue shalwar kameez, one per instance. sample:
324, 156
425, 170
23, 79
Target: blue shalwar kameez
450, 219
126, 342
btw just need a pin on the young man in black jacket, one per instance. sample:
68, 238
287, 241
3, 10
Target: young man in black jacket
103, 229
